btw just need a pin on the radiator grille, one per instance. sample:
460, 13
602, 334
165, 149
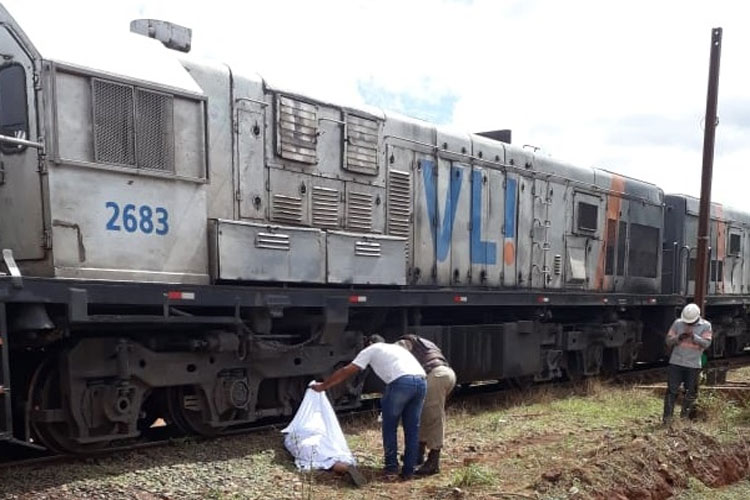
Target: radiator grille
362, 145
399, 203
325, 207
359, 211
154, 130
132, 127
286, 208
114, 135
297, 130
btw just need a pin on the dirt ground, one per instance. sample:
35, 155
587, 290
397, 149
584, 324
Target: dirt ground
595, 442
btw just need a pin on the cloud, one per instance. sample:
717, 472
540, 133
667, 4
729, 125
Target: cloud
427, 105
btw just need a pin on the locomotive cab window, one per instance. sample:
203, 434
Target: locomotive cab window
588, 216
735, 244
14, 121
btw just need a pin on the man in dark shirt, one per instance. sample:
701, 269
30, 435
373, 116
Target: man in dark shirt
440, 382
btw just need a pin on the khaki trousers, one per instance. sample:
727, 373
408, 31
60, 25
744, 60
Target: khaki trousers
440, 382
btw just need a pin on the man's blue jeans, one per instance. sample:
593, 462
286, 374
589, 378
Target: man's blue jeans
403, 399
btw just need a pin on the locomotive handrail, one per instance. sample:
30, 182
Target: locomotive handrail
674, 251
21, 142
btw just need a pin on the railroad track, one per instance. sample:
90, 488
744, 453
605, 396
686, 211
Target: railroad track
166, 435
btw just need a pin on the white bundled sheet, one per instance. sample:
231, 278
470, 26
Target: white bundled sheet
314, 436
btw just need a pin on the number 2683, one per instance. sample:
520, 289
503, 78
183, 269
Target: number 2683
144, 219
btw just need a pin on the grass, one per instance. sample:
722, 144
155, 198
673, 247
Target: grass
473, 475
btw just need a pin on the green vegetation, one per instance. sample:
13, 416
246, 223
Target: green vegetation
472, 475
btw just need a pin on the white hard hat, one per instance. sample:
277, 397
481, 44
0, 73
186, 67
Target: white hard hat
691, 313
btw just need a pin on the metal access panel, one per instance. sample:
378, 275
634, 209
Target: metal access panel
425, 230
444, 215
289, 197
116, 225
524, 239
251, 130
510, 230
540, 234
365, 259
365, 208
492, 225
484, 226
557, 213
246, 251
460, 247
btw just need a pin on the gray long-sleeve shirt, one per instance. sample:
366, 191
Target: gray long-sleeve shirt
689, 341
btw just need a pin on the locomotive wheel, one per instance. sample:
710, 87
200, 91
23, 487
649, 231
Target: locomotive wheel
45, 395
188, 407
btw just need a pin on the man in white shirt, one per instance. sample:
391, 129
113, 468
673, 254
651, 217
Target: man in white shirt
405, 389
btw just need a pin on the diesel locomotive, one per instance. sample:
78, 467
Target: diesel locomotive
187, 243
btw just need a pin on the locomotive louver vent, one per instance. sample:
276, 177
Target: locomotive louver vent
361, 145
272, 241
133, 127
359, 211
367, 249
297, 130
286, 208
325, 207
399, 202
399, 205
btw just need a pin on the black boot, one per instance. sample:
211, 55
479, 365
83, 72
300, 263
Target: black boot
432, 465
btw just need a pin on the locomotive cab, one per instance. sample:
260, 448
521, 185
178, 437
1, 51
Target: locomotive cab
21, 227
108, 181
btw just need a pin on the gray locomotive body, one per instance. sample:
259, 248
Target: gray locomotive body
186, 172
188, 243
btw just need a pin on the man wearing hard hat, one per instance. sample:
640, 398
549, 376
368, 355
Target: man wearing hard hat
688, 337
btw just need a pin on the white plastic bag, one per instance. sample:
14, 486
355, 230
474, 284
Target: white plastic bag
314, 436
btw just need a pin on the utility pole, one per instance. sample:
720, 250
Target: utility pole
701, 271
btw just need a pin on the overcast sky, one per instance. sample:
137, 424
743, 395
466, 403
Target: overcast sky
616, 85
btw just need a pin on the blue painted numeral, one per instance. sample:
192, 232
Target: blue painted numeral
129, 222
112, 223
163, 220
138, 218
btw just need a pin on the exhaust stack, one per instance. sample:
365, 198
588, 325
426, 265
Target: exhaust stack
173, 36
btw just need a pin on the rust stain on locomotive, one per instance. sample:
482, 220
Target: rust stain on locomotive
614, 203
